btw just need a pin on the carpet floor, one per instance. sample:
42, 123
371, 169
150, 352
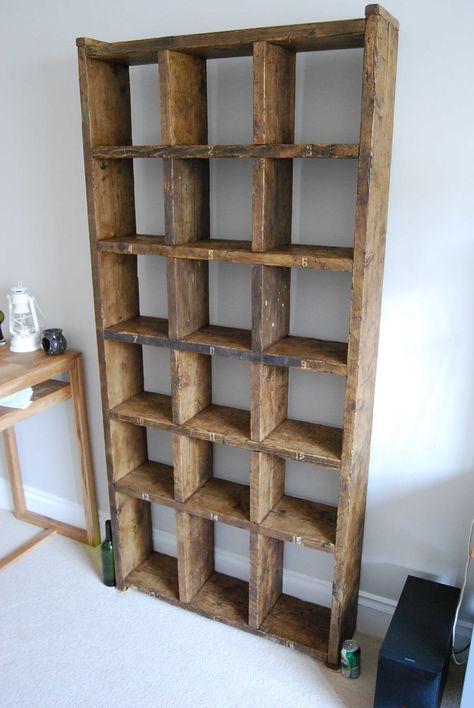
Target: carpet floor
67, 640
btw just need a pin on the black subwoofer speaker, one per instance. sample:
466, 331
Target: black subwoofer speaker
414, 657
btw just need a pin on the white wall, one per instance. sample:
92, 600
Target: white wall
420, 498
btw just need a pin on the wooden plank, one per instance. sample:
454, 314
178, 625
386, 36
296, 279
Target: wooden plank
303, 522
223, 598
190, 383
274, 118
14, 470
26, 548
132, 535
157, 575
213, 339
151, 481
270, 306
195, 539
332, 258
267, 484
306, 442
139, 330
305, 353
300, 625
221, 424
192, 461
269, 393
292, 439
339, 34
266, 576
106, 119
45, 396
223, 501
189, 152
85, 453
146, 409
370, 226
300, 352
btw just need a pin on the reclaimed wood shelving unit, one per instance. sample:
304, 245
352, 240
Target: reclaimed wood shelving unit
196, 423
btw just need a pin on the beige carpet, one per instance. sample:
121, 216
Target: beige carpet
66, 640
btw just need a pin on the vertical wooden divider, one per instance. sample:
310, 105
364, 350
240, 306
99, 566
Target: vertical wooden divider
106, 120
378, 90
274, 105
183, 97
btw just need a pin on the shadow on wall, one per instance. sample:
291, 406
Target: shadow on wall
430, 523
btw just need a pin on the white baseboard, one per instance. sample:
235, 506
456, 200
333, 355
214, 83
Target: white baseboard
374, 611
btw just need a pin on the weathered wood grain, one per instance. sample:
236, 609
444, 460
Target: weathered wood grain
151, 481
266, 576
304, 522
369, 244
267, 483
188, 152
316, 36
195, 540
269, 390
156, 576
333, 258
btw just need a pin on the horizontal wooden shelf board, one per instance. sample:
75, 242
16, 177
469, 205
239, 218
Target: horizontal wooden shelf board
224, 340
157, 576
304, 522
299, 352
299, 624
147, 409
315, 36
223, 598
205, 152
333, 258
306, 442
292, 439
305, 353
45, 395
221, 424
151, 481
223, 501
140, 330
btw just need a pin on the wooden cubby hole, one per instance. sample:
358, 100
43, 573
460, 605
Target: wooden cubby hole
195, 424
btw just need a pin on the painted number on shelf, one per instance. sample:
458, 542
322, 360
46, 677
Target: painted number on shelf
304, 263
212, 437
290, 645
140, 421
300, 456
298, 540
214, 517
304, 364
210, 255
145, 496
212, 351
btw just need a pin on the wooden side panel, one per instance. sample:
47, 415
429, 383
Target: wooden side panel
195, 538
267, 484
371, 219
266, 576
106, 119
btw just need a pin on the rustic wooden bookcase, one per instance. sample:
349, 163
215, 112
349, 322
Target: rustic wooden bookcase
195, 422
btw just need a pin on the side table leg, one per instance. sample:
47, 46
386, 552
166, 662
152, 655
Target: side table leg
14, 472
87, 473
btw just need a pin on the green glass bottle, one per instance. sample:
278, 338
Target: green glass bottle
107, 555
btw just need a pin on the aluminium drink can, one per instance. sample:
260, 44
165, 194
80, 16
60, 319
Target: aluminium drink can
350, 659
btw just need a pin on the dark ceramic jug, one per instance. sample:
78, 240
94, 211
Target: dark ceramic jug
54, 341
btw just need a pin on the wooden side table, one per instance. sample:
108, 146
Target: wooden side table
36, 369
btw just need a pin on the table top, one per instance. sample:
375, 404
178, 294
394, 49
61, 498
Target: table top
20, 370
